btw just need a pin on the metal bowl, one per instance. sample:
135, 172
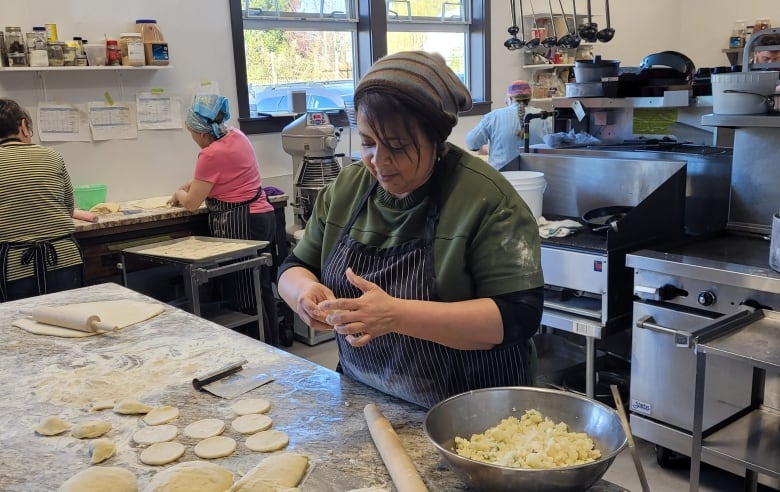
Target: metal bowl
474, 412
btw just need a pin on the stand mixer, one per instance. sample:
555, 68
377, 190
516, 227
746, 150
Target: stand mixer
311, 141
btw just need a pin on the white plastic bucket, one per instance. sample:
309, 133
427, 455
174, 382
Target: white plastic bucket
530, 185
760, 84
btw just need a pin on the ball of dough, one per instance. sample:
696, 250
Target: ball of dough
249, 424
101, 449
155, 433
215, 447
131, 406
251, 405
266, 441
51, 426
91, 429
277, 472
101, 479
162, 453
161, 415
205, 428
192, 475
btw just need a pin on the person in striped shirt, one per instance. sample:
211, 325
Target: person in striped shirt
38, 253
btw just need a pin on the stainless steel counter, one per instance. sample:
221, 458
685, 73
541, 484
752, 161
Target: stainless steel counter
155, 362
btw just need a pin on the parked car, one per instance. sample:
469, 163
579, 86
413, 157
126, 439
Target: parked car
278, 100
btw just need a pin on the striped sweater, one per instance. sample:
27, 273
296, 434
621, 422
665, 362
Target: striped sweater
36, 203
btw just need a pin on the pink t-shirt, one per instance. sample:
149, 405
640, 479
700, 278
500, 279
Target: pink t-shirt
231, 165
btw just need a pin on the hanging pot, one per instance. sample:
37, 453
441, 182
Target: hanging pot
603, 219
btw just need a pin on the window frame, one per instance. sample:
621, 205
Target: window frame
371, 45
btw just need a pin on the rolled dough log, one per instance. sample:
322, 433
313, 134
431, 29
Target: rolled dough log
161, 415
101, 449
280, 471
203, 429
191, 475
266, 441
101, 479
215, 447
91, 429
52, 425
121, 313
251, 405
155, 433
162, 453
131, 406
249, 424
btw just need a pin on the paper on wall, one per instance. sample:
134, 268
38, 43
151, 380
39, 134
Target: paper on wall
156, 111
63, 123
112, 121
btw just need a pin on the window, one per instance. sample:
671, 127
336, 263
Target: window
323, 46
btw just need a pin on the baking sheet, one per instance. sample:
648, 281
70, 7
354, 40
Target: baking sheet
199, 248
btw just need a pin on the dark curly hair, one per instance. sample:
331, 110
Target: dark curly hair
11, 116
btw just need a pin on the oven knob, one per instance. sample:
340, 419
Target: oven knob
707, 298
667, 292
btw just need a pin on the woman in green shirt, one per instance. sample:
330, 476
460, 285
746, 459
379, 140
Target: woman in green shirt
423, 258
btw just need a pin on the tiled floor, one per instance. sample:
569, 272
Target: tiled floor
622, 472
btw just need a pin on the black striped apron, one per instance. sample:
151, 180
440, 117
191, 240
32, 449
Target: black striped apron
416, 370
231, 221
42, 254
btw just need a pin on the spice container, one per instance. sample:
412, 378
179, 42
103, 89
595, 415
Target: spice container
69, 54
51, 32
131, 48
14, 47
56, 53
3, 57
112, 52
36, 47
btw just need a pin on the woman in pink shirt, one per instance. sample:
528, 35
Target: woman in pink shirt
227, 177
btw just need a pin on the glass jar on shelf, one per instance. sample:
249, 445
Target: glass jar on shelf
36, 47
56, 53
15, 47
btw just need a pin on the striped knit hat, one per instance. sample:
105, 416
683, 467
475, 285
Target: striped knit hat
423, 82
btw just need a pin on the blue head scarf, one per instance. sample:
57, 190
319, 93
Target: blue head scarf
208, 114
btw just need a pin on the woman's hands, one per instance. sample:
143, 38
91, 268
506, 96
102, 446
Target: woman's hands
307, 305
362, 319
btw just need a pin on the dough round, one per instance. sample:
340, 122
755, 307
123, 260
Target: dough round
51, 426
101, 479
249, 424
101, 449
215, 447
161, 415
252, 405
131, 406
205, 428
91, 429
269, 440
155, 433
192, 475
162, 453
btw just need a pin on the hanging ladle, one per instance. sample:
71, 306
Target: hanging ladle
589, 30
606, 34
513, 43
534, 42
569, 40
551, 41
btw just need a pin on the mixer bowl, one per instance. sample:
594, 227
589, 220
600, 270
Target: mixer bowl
474, 412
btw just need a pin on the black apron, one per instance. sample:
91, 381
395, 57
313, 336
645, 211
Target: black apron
416, 370
42, 254
231, 221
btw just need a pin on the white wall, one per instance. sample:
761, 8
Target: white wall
198, 33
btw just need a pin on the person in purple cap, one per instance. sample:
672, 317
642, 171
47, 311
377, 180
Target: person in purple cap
501, 130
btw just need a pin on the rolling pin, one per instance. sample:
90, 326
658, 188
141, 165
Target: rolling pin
81, 322
398, 463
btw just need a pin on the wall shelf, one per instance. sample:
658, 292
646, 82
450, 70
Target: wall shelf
83, 69
548, 66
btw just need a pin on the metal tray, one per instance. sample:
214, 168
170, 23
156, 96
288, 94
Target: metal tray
199, 248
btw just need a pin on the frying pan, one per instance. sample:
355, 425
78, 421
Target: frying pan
603, 219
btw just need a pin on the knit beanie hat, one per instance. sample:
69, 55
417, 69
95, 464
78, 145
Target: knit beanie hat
208, 114
422, 81
518, 88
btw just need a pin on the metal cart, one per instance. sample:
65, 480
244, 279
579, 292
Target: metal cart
202, 258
